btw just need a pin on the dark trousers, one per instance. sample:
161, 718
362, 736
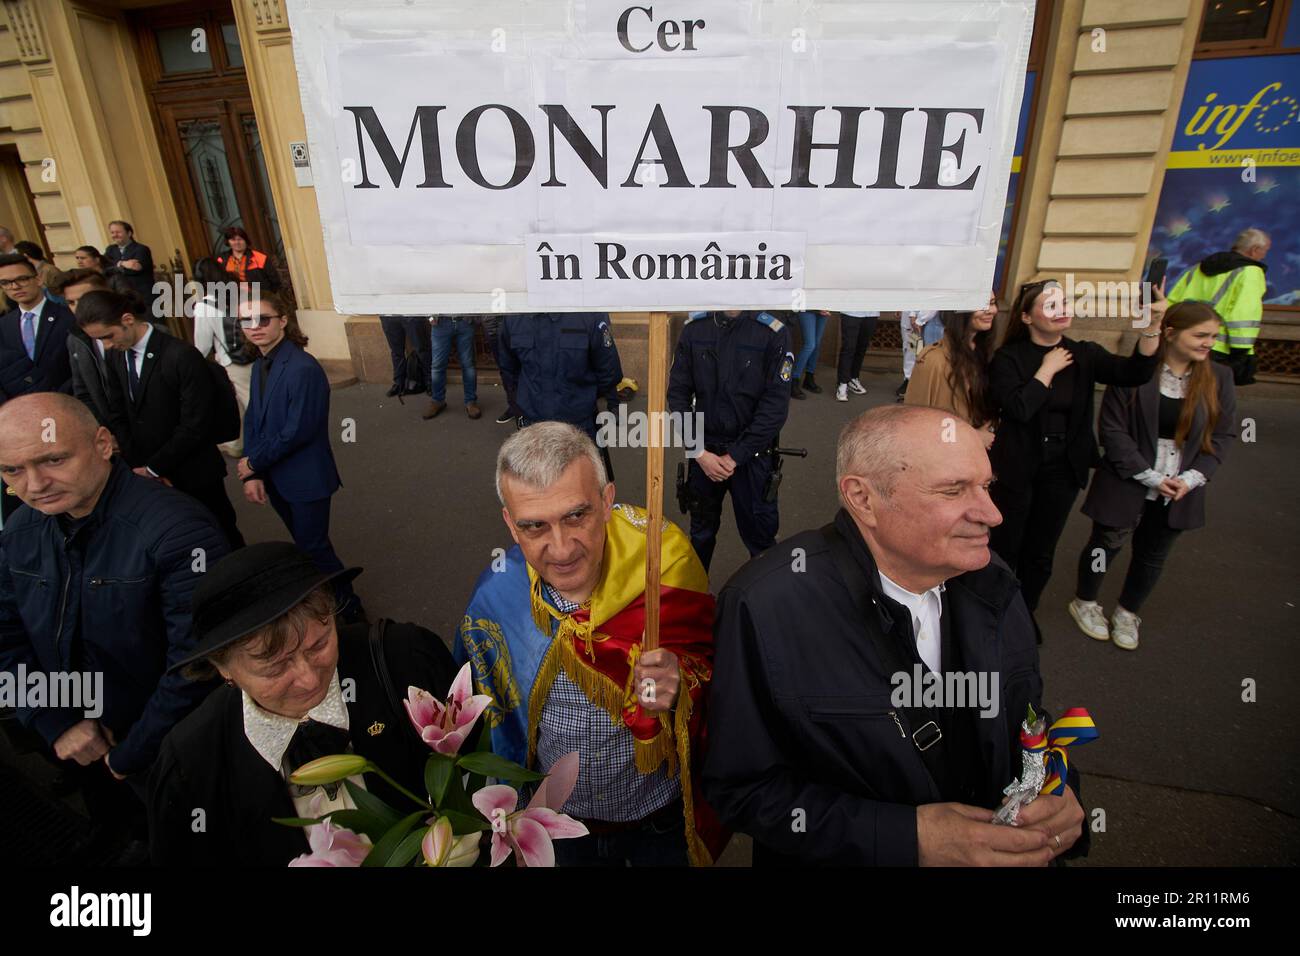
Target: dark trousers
1033, 519
1152, 541
397, 329
657, 841
855, 337
309, 526
756, 519
491, 335
212, 496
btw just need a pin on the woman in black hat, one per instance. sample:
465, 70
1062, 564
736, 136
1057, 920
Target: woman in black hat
297, 687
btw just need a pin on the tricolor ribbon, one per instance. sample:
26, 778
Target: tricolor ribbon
1073, 728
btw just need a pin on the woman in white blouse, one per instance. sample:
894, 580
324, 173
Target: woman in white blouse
216, 331
1163, 442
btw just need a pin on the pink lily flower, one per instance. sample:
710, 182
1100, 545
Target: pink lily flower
444, 726
333, 846
529, 832
442, 848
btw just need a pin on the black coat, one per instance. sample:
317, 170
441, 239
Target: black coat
88, 375
207, 762
1020, 399
168, 425
140, 281
51, 370
1129, 430
800, 715
123, 581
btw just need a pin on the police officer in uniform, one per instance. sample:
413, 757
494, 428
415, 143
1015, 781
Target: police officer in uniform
557, 365
736, 368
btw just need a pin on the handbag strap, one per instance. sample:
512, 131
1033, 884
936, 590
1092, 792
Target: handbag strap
379, 662
918, 718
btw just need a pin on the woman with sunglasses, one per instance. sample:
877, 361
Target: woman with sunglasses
1042, 385
288, 462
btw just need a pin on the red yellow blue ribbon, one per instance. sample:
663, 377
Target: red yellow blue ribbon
1072, 729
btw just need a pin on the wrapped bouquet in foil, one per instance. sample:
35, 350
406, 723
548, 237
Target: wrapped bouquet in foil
1043, 760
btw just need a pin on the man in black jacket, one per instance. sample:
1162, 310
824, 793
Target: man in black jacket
818, 745
95, 579
162, 400
33, 336
86, 356
129, 259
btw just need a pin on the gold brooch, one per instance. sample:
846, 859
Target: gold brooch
375, 729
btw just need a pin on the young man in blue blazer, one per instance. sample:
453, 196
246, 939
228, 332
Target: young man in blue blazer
288, 461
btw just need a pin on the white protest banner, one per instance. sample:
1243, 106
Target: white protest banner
485, 155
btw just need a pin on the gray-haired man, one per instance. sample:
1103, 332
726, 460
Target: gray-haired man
553, 634
810, 750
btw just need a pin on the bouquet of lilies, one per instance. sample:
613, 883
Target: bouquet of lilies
443, 828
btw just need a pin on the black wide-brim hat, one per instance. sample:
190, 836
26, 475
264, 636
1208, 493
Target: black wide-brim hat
248, 589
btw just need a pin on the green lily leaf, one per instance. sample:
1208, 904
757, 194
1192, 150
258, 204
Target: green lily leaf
490, 765
438, 772
388, 844
409, 848
462, 823
367, 801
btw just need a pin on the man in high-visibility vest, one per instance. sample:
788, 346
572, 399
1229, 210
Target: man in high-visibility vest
1233, 282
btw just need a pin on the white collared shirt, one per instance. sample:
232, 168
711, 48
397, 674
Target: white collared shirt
140, 348
926, 610
270, 734
35, 310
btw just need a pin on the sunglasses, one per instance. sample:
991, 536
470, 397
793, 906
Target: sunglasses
257, 321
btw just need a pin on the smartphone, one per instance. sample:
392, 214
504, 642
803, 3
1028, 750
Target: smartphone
1156, 272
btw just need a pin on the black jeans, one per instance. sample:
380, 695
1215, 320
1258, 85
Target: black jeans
657, 841
1152, 541
396, 330
491, 335
1033, 519
855, 337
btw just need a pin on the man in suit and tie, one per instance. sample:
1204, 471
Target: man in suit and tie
288, 461
33, 340
162, 400
86, 355
129, 259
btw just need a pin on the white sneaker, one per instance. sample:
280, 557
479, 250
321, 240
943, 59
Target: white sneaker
841, 393
856, 387
1090, 618
1124, 629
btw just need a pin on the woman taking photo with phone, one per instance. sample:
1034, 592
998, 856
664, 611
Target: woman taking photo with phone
1163, 441
953, 373
1042, 384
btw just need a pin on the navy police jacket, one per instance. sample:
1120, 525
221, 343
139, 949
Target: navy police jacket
738, 373
559, 364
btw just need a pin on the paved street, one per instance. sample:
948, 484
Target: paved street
1186, 772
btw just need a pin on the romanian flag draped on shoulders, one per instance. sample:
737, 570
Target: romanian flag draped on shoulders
517, 643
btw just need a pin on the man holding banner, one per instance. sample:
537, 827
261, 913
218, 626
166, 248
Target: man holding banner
554, 633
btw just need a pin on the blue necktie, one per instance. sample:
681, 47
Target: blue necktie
29, 334
132, 376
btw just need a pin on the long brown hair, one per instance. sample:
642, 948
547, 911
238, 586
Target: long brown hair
281, 308
968, 368
1024, 302
1202, 388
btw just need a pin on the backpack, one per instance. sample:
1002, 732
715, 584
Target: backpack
226, 420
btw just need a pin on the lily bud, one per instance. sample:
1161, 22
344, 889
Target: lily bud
329, 769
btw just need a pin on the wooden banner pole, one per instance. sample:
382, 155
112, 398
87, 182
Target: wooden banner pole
656, 397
